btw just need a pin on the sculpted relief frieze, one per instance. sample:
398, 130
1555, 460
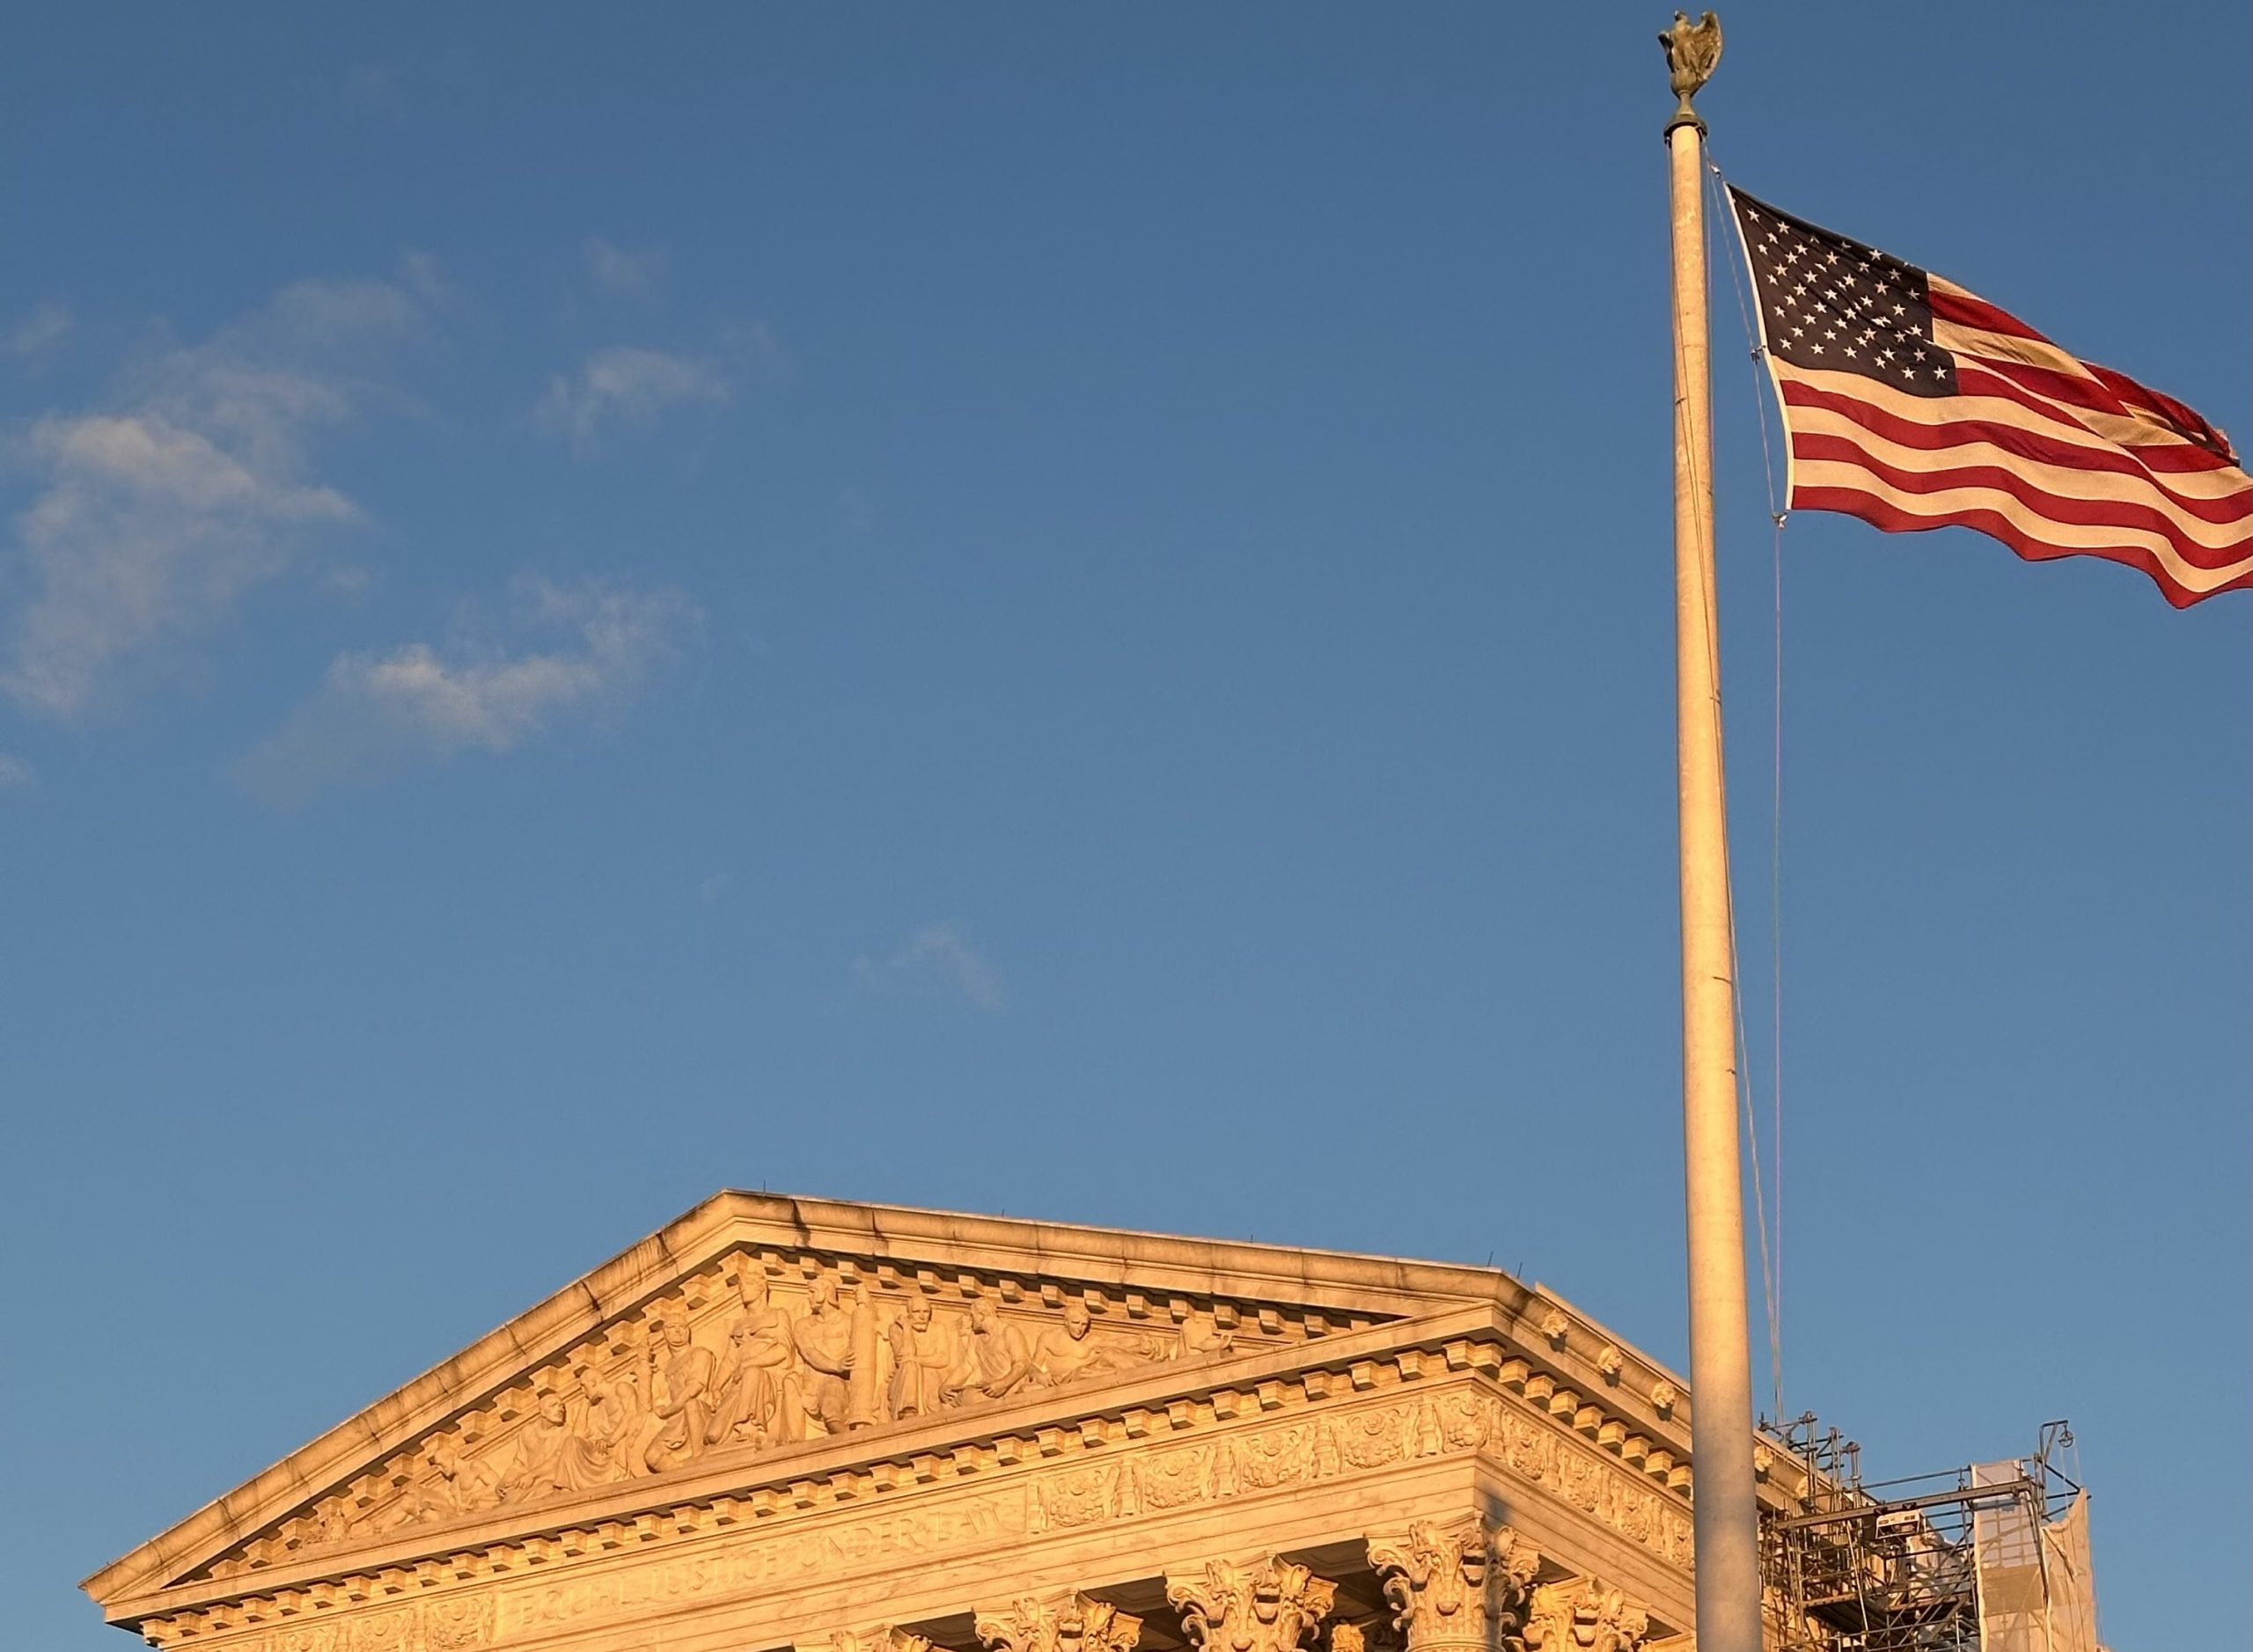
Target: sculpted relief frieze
760, 1354
1445, 1583
1178, 1457
457, 1622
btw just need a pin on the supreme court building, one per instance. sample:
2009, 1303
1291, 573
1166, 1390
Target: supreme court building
843, 1428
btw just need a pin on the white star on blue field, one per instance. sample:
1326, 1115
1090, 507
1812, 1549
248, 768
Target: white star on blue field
1068, 612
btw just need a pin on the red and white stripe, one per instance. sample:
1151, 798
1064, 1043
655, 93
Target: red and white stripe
2050, 454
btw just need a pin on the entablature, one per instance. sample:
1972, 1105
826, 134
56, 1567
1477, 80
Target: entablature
1166, 1436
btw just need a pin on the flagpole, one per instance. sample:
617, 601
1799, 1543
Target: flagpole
1726, 1512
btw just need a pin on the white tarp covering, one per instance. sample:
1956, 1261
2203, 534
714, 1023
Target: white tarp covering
2073, 1585
2037, 1592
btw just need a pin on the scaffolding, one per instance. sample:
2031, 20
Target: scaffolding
1988, 1558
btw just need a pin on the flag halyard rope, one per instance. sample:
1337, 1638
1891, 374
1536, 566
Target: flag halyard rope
1768, 1199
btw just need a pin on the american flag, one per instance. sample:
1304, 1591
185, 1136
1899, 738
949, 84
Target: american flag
1912, 404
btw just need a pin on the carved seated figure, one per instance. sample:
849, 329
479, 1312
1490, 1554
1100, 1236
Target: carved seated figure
747, 1388
998, 1359
923, 1358
599, 1451
542, 1464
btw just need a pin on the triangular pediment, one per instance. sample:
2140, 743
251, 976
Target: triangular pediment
758, 1328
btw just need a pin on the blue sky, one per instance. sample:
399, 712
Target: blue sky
1067, 612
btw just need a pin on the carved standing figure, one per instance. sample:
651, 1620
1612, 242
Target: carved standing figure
823, 1339
679, 1397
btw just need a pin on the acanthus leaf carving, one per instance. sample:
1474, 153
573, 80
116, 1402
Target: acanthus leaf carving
1583, 1615
1273, 1605
883, 1638
1070, 1622
1460, 1583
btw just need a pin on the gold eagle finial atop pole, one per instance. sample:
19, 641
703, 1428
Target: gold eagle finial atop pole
1692, 51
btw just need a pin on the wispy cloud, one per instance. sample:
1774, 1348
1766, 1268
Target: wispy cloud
377, 711
15, 774
157, 510
937, 958
38, 332
426, 280
615, 270
625, 385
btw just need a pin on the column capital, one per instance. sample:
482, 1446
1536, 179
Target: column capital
1270, 1605
1459, 1583
1583, 1615
882, 1638
1068, 1622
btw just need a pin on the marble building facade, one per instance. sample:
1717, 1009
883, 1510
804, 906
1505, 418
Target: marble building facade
788, 1423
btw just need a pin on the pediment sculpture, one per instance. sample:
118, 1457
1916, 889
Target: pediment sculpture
753, 1360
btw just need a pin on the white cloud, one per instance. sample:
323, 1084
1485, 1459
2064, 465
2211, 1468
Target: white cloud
937, 956
375, 711
425, 279
625, 385
614, 269
38, 332
15, 774
156, 512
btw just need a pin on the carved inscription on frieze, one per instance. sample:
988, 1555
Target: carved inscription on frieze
1217, 1460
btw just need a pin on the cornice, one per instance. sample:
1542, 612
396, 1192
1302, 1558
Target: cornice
1326, 1294
776, 1489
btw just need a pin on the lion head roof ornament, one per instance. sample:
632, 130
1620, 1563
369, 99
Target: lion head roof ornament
1692, 49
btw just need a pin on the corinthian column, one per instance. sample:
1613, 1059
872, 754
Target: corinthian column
1583, 1615
1455, 1586
1274, 1605
1069, 1622
883, 1638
